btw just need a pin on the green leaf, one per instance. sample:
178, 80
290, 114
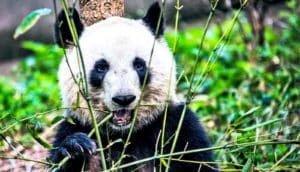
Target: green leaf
260, 125
247, 166
70, 120
245, 115
30, 20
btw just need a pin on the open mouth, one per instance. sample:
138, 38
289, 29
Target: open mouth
122, 117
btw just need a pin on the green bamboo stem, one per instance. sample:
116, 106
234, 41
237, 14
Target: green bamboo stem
215, 52
169, 83
118, 163
212, 12
28, 118
176, 136
26, 159
227, 146
86, 89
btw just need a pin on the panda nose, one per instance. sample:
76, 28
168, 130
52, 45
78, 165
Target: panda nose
124, 100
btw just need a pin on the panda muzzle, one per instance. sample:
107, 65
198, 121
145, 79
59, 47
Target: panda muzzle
122, 117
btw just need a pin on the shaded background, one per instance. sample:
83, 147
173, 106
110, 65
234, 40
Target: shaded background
12, 13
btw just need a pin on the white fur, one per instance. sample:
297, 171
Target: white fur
119, 41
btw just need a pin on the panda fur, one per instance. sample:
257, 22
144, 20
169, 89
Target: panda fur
116, 53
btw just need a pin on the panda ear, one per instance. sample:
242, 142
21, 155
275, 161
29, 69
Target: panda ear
62, 32
153, 20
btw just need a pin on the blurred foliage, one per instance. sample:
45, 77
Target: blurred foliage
34, 90
249, 93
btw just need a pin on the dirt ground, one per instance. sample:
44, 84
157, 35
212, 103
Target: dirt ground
37, 152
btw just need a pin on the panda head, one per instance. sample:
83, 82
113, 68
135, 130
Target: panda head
117, 53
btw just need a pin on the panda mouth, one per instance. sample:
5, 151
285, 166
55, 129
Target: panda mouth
122, 117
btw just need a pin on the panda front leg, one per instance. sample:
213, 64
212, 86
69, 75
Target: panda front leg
77, 146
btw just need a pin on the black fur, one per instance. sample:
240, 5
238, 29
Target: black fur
98, 72
154, 21
142, 143
70, 140
141, 68
62, 33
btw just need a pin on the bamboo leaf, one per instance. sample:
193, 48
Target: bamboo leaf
247, 166
244, 115
260, 125
251, 111
30, 20
70, 120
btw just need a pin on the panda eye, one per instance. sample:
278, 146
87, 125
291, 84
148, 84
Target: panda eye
102, 66
139, 64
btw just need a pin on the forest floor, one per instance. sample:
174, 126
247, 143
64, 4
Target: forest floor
36, 152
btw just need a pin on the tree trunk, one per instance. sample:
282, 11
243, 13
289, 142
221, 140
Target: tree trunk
96, 10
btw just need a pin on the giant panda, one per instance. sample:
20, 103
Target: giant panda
117, 53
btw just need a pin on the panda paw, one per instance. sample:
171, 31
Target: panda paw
77, 145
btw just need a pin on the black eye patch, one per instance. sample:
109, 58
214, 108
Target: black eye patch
140, 67
98, 72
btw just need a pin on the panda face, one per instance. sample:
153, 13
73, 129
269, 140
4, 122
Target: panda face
121, 56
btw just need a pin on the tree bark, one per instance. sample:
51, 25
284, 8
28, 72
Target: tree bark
92, 11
